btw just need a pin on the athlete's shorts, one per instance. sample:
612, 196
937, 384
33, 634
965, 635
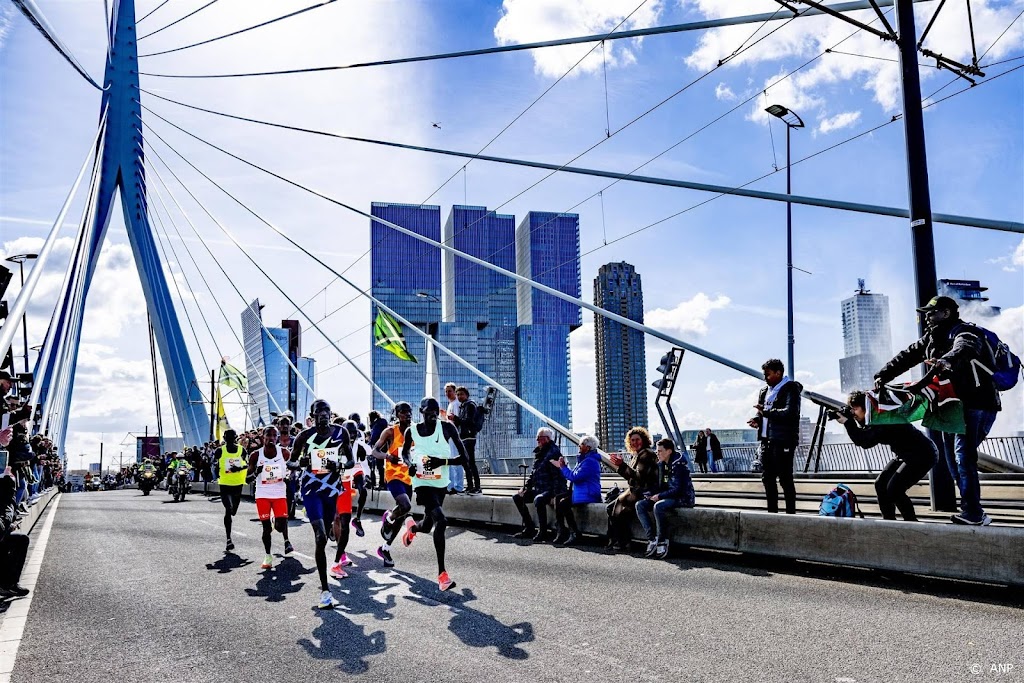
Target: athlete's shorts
264, 506
358, 480
398, 488
345, 499
430, 497
231, 496
319, 505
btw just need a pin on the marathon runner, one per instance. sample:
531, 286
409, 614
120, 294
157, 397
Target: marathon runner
269, 467
322, 452
433, 440
396, 476
360, 453
232, 470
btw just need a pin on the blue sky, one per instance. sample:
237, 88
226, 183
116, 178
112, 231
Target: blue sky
714, 275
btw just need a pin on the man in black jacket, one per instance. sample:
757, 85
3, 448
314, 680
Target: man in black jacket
958, 351
546, 481
13, 546
466, 421
778, 429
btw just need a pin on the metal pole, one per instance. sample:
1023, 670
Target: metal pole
789, 261
212, 388
943, 495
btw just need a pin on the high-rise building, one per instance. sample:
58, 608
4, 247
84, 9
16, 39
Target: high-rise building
405, 275
621, 366
867, 338
970, 295
273, 385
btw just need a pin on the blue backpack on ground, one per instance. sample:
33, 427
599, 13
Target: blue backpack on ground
840, 502
1006, 370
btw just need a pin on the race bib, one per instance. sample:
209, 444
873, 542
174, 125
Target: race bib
426, 473
234, 464
272, 474
318, 456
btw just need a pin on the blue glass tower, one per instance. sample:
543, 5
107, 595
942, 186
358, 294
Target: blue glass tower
405, 275
273, 387
621, 373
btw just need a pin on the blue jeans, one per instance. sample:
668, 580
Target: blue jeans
657, 528
961, 452
458, 479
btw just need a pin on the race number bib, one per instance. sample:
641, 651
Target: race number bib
426, 473
272, 474
319, 456
233, 464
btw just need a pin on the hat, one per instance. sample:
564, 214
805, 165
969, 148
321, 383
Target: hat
4, 375
943, 302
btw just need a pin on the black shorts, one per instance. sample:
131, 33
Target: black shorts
231, 496
430, 497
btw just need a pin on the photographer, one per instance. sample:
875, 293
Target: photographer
914, 455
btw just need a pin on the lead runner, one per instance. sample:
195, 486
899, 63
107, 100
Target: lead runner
433, 439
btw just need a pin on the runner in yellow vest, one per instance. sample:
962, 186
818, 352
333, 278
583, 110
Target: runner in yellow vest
433, 439
231, 468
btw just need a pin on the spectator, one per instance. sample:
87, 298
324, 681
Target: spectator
914, 455
13, 545
466, 421
545, 483
954, 349
714, 450
377, 426
674, 489
585, 480
457, 473
778, 429
700, 451
641, 475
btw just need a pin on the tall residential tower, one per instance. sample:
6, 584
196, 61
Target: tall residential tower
867, 338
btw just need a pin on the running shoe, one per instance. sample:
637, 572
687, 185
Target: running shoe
409, 535
288, 548
345, 562
268, 562
357, 524
229, 547
444, 582
327, 601
337, 572
386, 556
962, 519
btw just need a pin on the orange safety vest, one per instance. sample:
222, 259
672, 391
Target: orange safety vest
399, 472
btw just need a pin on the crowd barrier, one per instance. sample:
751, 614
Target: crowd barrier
984, 554
35, 513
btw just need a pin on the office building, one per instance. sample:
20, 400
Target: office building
621, 371
970, 295
273, 385
867, 338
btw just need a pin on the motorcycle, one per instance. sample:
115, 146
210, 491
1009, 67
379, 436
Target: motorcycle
180, 484
147, 482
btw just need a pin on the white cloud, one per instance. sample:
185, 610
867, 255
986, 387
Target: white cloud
838, 122
6, 22
724, 92
689, 317
581, 347
1012, 261
1009, 325
527, 21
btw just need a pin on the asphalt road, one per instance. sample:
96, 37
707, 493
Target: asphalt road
139, 589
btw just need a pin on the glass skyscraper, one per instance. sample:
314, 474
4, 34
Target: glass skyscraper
273, 387
405, 275
867, 338
621, 369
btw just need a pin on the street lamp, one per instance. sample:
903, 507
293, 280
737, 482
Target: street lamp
792, 120
20, 260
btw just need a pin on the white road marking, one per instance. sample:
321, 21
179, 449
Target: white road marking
12, 624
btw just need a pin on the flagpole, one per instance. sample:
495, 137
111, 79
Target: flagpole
213, 387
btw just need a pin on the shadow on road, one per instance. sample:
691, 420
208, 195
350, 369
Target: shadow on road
228, 563
274, 584
473, 627
337, 638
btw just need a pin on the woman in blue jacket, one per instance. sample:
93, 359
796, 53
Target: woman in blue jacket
585, 478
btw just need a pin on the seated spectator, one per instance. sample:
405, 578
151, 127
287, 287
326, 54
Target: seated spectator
674, 489
13, 545
914, 455
544, 484
585, 480
641, 475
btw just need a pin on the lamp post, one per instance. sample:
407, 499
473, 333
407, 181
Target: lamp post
792, 120
433, 380
20, 260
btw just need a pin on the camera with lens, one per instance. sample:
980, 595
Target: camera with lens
836, 413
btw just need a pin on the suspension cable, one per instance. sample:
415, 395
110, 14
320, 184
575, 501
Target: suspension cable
177, 21
151, 12
36, 18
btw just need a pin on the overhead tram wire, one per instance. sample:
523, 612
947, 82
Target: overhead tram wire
634, 33
213, 296
240, 31
543, 288
498, 135
242, 249
176, 21
738, 51
220, 267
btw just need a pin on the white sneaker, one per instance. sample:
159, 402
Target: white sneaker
651, 547
327, 601
268, 562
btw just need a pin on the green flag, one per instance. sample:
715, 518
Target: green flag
387, 334
232, 377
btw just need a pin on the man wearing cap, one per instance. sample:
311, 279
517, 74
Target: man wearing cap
948, 347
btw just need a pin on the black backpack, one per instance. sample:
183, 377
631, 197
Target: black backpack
475, 415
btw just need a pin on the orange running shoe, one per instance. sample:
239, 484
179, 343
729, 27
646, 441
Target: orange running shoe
444, 582
409, 535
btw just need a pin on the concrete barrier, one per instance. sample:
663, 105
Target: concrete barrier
986, 554
35, 513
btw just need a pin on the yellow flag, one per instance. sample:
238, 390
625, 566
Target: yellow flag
222, 418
